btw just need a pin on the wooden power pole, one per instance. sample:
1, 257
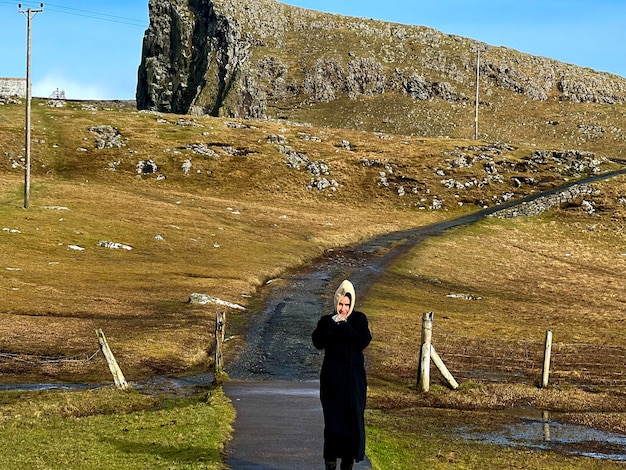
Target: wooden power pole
29, 13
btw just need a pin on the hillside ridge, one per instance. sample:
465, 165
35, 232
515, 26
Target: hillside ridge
264, 59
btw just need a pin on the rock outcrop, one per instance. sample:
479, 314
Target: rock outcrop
264, 59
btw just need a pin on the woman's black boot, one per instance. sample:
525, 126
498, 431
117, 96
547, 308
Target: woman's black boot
330, 464
347, 464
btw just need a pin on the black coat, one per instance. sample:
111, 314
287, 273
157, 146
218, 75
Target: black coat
343, 384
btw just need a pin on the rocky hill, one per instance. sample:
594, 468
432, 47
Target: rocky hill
263, 59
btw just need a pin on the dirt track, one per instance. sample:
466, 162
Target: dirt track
278, 346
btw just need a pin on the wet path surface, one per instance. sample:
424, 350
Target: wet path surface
279, 426
278, 345
265, 410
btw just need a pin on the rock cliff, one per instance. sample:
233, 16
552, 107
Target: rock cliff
264, 59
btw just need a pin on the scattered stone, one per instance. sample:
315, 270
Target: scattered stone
203, 149
107, 137
588, 206
186, 166
318, 168
182, 122
463, 296
114, 245
309, 137
231, 150
294, 159
149, 111
146, 167
323, 183
277, 139
345, 144
203, 299
238, 125
436, 205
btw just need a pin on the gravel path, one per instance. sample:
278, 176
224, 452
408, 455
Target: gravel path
278, 345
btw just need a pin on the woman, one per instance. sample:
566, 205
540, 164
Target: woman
343, 336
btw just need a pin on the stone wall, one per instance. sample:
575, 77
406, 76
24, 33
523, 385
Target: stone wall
545, 203
13, 87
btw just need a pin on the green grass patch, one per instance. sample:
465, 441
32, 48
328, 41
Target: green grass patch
112, 429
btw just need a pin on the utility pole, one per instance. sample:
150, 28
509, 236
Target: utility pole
477, 86
30, 14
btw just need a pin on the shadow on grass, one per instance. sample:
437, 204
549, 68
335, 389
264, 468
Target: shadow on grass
180, 453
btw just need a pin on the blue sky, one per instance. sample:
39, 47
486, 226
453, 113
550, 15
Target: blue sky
91, 50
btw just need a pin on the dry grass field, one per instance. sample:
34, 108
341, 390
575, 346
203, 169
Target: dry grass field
224, 229
562, 271
243, 212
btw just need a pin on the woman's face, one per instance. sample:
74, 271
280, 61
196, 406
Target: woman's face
343, 307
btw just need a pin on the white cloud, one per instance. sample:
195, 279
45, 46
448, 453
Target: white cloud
45, 87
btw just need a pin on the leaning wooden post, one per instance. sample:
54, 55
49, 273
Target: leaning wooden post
547, 352
118, 377
443, 369
220, 321
423, 377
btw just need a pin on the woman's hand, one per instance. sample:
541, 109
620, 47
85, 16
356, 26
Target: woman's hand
339, 318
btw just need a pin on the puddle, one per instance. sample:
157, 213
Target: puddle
180, 386
535, 429
41, 387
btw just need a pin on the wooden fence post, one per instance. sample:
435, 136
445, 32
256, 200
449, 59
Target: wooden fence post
118, 376
423, 377
547, 352
427, 352
220, 322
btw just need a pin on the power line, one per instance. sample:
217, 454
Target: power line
95, 15
87, 14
